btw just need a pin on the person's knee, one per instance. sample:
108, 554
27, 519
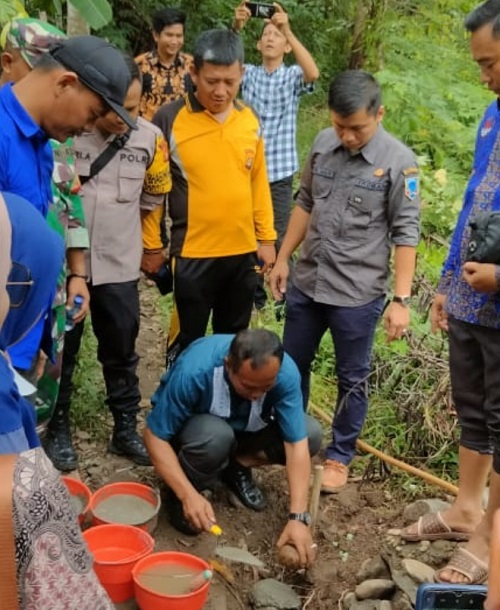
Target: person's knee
206, 442
314, 435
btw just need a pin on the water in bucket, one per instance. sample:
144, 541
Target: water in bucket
173, 579
124, 508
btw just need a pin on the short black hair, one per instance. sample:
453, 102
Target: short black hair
167, 16
219, 47
352, 91
133, 68
46, 63
255, 344
486, 13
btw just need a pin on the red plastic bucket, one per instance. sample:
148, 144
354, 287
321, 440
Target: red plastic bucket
125, 489
148, 599
116, 550
81, 495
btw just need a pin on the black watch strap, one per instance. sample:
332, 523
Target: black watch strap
304, 518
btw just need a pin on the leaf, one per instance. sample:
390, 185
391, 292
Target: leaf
97, 13
232, 553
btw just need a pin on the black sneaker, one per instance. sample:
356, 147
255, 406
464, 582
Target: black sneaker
240, 481
176, 515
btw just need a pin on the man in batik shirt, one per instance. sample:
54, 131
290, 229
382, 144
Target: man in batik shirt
165, 71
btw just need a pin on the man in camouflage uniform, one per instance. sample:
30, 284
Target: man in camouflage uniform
26, 40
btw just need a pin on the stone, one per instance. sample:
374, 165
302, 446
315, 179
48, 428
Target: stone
417, 509
274, 594
373, 568
385, 604
350, 499
376, 588
366, 604
348, 600
400, 601
420, 572
405, 583
424, 545
440, 551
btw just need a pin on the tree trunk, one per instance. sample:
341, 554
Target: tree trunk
357, 56
77, 26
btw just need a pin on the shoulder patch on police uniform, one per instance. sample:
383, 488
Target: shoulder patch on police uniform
412, 187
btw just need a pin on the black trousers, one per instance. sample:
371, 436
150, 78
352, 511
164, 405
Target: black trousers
114, 312
223, 287
475, 385
281, 194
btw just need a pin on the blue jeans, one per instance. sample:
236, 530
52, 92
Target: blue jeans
352, 329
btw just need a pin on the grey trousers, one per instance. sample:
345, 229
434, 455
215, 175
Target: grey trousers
206, 443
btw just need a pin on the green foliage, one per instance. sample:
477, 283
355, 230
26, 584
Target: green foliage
97, 13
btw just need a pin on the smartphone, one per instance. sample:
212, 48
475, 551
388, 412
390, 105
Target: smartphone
432, 596
261, 9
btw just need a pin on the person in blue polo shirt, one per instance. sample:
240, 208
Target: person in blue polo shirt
230, 402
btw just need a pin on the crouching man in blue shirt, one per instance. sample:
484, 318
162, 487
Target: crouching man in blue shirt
231, 402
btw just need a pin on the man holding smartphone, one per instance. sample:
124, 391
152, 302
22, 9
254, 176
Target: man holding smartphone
274, 90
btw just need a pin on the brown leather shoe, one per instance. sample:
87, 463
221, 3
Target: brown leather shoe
334, 477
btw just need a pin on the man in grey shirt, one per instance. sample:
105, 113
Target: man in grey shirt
358, 198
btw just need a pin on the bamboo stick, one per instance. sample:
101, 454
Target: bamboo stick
315, 491
362, 446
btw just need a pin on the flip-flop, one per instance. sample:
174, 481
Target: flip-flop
467, 564
432, 526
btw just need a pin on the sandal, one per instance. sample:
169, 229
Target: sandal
467, 564
432, 526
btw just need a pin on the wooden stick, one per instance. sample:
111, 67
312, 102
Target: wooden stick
315, 491
362, 446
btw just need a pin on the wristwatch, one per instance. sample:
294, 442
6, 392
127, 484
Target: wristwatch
404, 301
304, 518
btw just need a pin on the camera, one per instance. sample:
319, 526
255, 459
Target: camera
261, 9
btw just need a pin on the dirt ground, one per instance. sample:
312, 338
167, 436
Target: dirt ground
349, 529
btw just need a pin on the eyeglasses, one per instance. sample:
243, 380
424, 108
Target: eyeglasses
18, 284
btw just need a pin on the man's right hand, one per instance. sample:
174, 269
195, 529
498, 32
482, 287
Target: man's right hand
278, 277
198, 511
439, 317
241, 16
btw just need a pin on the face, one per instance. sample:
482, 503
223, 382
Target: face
486, 53
75, 109
111, 122
250, 383
217, 86
272, 43
14, 68
358, 128
169, 41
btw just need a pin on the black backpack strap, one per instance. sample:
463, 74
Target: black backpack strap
107, 154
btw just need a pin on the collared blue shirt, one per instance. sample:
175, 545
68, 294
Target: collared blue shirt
26, 160
275, 97
197, 383
481, 195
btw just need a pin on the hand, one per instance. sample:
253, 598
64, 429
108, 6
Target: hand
151, 261
299, 535
280, 19
439, 317
396, 321
278, 278
40, 364
77, 285
480, 276
241, 16
267, 255
198, 511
